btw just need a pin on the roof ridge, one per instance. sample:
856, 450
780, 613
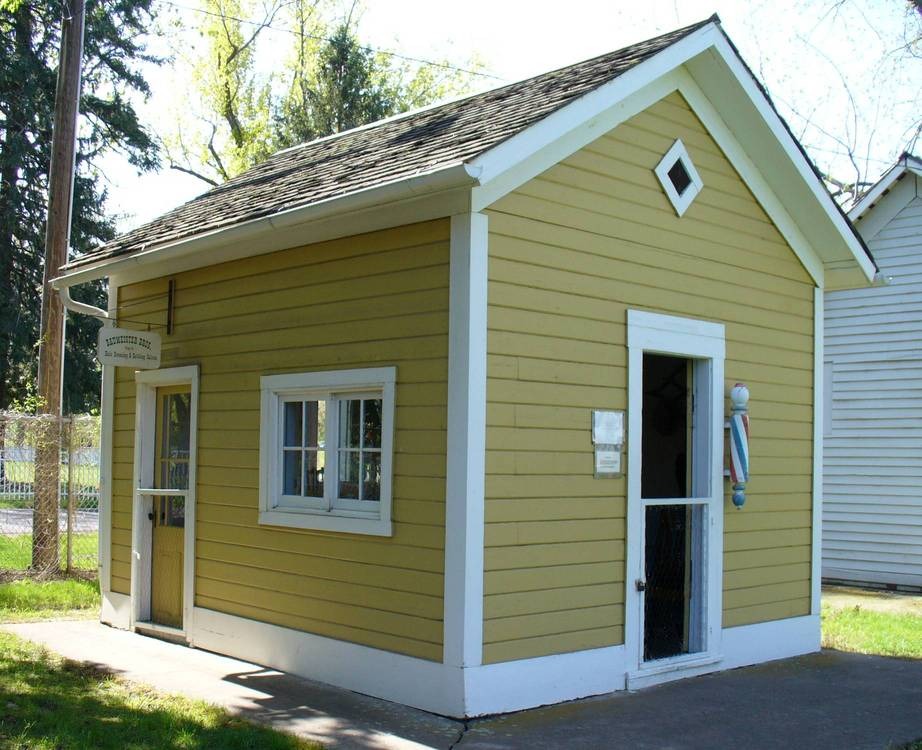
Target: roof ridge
677, 33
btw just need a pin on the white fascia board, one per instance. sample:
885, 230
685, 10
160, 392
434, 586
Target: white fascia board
737, 156
582, 121
885, 206
725, 81
427, 196
871, 197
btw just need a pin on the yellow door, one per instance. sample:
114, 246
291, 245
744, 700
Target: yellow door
171, 472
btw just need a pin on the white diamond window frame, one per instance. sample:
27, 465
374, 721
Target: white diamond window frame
677, 154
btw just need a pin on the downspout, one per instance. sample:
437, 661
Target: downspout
81, 308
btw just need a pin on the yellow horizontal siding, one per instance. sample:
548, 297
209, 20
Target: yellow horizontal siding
570, 252
365, 301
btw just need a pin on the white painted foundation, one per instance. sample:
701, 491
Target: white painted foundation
474, 691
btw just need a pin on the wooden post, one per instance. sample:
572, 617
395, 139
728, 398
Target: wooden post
57, 237
71, 510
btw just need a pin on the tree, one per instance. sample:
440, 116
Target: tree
854, 98
229, 130
113, 51
329, 82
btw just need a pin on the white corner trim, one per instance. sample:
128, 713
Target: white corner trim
428, 685
677, 154
464, 483
517, 685
107, 412
816, 548
115, 610
147, 382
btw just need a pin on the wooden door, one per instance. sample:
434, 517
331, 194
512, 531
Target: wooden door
171, 472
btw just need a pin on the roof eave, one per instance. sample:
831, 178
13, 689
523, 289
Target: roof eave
253, 236
780, 160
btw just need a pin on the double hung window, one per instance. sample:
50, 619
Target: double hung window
326, 450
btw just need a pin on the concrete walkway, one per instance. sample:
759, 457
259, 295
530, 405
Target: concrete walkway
829, 700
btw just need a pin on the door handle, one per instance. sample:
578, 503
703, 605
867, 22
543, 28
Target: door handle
150, 516
641, 584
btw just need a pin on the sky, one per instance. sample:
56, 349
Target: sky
833, 67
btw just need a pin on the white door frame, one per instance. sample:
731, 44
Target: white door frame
696, 339
142, 503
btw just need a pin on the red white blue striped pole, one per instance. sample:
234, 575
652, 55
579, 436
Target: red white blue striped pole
739, 442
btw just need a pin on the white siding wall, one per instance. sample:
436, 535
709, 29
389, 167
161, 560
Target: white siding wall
872, 504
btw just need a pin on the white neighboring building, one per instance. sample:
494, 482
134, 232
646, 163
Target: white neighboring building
872, 505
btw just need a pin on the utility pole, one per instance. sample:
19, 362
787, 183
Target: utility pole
51, 341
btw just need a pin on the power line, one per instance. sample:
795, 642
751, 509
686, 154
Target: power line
319, 38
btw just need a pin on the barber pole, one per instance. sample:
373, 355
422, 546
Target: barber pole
739, 442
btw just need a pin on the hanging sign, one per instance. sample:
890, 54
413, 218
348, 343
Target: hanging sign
123, 348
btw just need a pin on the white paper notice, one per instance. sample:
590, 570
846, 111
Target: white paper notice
607, 461
608, 427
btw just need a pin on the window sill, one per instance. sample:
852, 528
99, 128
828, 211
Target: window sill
304, 518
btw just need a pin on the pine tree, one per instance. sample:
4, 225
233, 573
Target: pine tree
113, 51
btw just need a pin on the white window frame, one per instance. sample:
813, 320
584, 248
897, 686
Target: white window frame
678, 153
329, 513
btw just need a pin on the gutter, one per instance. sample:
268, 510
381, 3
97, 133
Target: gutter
457, 175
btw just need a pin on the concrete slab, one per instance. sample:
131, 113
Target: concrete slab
829, 700
339, 719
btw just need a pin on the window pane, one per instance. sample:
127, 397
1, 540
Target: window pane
349, 474
175, 511
371, 428
371, 476
291, 473
293, 420
349, 423
316, 424
179, 409
177, 475
314, 474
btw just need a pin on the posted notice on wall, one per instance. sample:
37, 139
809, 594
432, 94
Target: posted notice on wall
121, 347
607, 461
607, 427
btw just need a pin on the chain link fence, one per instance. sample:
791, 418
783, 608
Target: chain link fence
49, 495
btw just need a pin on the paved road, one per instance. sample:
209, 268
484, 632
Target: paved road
15, 521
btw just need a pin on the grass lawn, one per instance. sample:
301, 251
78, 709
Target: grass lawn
16, 551
26, 600
868, 632
48, 703
23, 472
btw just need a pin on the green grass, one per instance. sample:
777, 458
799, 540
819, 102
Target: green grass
86, 475
865, 631
48, 703
16, 551
26, 600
